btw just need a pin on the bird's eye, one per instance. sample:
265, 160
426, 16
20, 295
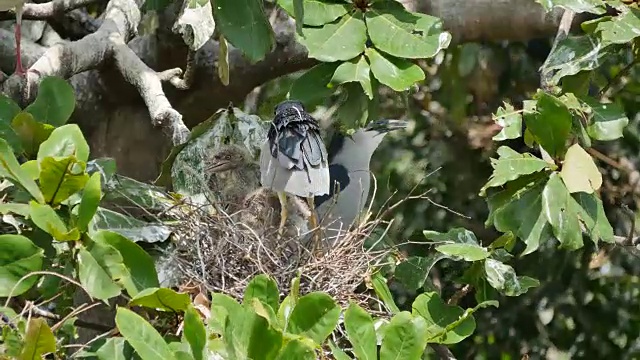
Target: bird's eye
227, 157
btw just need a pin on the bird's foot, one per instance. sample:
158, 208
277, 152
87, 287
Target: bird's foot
283, 213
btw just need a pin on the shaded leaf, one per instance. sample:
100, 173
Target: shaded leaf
115, 348
94, 277
607, 121
311, 87
89, 203
401, 339
579, 172
127, 226
162, 299
511, 122
414, 271
195, 332
316, 12
296, 349
398, 74
556, 203
438, 316
355, 70
591, 213
550, 125
39, 340
353, 107
503, 278
361, 332
30, 132
147, 342
10, 169
404, 34
54, 103
60, 178
18, 257
248, 335
8, 110
66, 140
512, 165
340, 40
379, 284
315, 316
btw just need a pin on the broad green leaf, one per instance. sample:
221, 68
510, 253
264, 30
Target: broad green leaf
510, 120
591, 212
122, 189
30, 132
361, 332
518, 209
379, 284
195, 333
403, 34
115, 348
355, 70
54, 103
244, 24
147, 342
620, 29
14, 208
10, 169
607, 121
127, 226
32, 168
439, 316
46, 219
339, 40
18, 257
284, 312
38, 341
94, 277
455, 235
138, 271
398, 74
8, 110
550, 125
316, 12
195, 23
468, 252
298, 14
263, 288
161, 299
414, 271
512, 165
223, 61
579, 6
571, 56
311, 87
315, 316
401, 339
89, 203
249, 336
503, 278
337, 352
65, 141
296, 349
579, 172
61, 178
353, 107
556, 203
221, 306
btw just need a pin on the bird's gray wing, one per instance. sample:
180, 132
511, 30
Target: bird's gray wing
296, 135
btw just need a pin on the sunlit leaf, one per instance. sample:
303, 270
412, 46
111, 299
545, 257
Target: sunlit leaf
402, 339
361, 332
263, 288
511, 122
355, 70
147, 342
556, 202
18, 257
398, 74
315, 316
195, 333
468, 252
316, 12
94, 276
10, 169
48, 220
512, 165
439, 316
503, 278
60, 178
339, 40
65, 141
162, 299
38, 341
579, 172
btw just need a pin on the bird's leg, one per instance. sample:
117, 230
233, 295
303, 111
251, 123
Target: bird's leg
283, 211
18, 32
313, 221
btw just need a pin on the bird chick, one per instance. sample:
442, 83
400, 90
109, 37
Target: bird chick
233, 174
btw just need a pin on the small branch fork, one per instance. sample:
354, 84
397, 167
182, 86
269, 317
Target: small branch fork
108, 45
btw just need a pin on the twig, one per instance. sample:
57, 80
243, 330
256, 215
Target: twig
458, 295
60, 320
617, 77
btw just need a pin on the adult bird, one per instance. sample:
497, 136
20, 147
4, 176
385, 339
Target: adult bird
293, 159
349, 162
233, 174
17, 5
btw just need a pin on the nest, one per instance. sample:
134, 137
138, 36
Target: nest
222, 253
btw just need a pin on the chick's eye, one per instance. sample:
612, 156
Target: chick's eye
227, 157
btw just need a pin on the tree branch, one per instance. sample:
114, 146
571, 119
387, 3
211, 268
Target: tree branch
32, 11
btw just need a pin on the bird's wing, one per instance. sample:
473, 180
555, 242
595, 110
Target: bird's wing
296, 136
338, 180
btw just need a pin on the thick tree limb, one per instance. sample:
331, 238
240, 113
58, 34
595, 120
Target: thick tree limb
32, 11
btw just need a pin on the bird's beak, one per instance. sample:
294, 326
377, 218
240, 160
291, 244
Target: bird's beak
218, 166
387, 125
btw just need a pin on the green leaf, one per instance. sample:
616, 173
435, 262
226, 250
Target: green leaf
511, 122
296, 349
249, 336
620, 29
38, 340
579, 172
263, 288
245, 25
94, 277
46, 219
195, 332
414, 271
340, 40
311, 87
115, 348
503, 278
127, 226
591, 212
455, 235
65, 141
8, 110
315, 315
361, 332
556, 202
468, 252
138, 271
403, 34
30, 132
398, 74
14, 208
439, 316
55, 102
550, 125
222, 305
518, 209
223, 61
401, 339
578, 6
607, 121
353, 107
162, 299
18, 257
512, 165
571, 56
10, 169
147, 342
337, 352
316, 12
355, 70
89, 203
61, 178
381, 289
